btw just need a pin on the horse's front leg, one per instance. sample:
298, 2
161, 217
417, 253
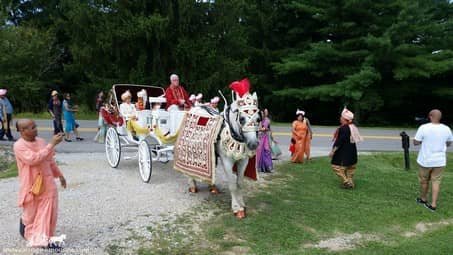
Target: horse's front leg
241, 166
235, 184
231, 179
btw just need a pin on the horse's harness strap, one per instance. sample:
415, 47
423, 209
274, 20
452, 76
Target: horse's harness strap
233, 148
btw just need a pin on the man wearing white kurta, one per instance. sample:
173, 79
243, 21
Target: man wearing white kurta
434, 138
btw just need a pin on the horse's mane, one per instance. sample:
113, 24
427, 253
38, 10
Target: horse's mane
209, 110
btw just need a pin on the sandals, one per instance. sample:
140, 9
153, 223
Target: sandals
68, 140
420, 201
430, 207
79, 138
425, 204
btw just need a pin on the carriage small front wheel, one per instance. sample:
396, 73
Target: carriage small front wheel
145, 161
112, 147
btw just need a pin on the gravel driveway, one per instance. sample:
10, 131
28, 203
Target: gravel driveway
102, 205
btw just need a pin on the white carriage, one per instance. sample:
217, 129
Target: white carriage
156, 144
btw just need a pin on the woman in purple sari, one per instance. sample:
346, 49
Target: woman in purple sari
263, 152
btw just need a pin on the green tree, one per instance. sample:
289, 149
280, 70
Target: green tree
368, 52
24, 63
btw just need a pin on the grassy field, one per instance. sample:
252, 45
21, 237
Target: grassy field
10, 171
302, 210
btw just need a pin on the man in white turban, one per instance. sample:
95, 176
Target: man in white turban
344, 149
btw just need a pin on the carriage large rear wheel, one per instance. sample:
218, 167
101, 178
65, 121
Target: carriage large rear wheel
145, 161
112, 147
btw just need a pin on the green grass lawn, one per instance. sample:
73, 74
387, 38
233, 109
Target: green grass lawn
8, 169
302, 205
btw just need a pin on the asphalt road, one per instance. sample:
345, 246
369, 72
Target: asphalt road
376, 139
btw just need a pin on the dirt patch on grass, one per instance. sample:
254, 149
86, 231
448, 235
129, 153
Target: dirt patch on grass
237, 250
423, 227
343, 242
351, 241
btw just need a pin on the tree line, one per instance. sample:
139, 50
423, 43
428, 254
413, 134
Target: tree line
388, 61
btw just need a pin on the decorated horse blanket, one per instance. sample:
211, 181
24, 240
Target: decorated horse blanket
194, 150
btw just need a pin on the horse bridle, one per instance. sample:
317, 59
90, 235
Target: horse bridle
249, 126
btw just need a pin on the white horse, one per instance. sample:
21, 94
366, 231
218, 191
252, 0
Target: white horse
236, 143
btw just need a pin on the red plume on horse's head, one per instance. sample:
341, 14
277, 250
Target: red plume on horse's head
241, 87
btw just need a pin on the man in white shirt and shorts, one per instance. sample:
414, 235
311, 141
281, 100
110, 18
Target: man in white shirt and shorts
434, 138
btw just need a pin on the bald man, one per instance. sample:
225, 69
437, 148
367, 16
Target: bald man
35, 157
434, 138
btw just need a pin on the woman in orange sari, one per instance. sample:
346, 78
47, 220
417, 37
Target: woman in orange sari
302, 135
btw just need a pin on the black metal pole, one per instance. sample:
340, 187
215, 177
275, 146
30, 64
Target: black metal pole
406, 159
405, 141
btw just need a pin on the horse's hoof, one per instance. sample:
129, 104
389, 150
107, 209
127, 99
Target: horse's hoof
213, 189
240, 215
193, 190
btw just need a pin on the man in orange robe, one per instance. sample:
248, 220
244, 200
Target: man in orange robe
35, 157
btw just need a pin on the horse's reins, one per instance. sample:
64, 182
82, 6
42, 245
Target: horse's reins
238, 137
234, 134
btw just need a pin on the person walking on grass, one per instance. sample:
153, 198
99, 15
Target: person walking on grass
344, 149
302, 135
434, 137
264, 152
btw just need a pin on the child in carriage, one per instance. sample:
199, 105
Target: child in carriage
141, 100
198, 99
214, 103
128, 111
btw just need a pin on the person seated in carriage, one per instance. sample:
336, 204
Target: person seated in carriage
198, 99
110, 118
215, 103
129, 113
192, 99
141, 100
176, 95
155, 109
